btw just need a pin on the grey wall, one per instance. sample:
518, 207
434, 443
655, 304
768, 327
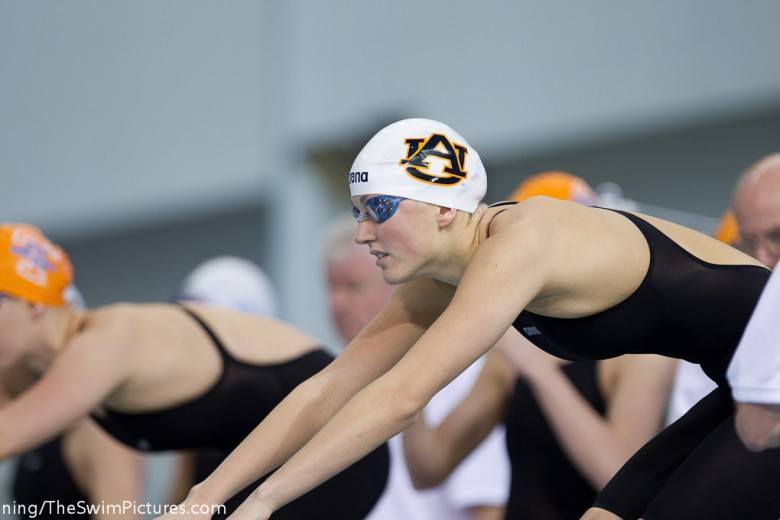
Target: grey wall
147, 135
690, 167
155, 259
116, 112
531, 73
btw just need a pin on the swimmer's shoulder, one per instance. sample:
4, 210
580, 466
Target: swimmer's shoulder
536, 224
537, 211
110, 319
123, 316
261, 339
124, 324
700, 245
106, 334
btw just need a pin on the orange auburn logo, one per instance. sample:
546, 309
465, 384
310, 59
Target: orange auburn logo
420, 151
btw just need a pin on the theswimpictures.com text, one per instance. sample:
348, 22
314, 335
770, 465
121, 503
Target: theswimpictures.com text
51, 508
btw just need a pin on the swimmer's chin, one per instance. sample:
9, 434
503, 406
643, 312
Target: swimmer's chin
396, 279
392, 280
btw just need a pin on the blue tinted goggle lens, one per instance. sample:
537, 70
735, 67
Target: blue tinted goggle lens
378, 209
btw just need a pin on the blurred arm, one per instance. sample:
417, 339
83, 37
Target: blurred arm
114, 473
80, 378
598, 446
183, 478
433, 453
303, 412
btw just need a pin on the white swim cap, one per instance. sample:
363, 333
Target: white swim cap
422, 160
74, 297
231, 282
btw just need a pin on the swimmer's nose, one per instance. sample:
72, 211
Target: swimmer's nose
365, 232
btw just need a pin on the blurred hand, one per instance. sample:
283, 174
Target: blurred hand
758, 425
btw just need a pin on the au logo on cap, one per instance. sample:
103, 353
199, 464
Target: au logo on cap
419, 152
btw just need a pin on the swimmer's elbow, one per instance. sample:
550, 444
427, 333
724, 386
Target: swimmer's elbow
426, 458
756, 440
755, 445
758, 427
409, 409
425, 480
426, 470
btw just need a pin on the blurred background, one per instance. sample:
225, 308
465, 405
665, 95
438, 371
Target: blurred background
147, 136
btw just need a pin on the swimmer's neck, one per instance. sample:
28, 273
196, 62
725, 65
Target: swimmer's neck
453, 258
59, 325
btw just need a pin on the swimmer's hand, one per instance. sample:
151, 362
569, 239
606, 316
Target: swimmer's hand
758, 425
596, 513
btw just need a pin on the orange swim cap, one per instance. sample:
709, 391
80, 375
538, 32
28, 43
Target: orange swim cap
31, 267
556, 184
727, 231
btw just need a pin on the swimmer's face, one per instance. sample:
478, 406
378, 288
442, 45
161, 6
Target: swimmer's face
757, 209
356, 291
18, 327
402, 244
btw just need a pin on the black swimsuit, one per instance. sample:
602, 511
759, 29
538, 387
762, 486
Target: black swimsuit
684, 308
545, 484
227, 412
43, 474
690, 309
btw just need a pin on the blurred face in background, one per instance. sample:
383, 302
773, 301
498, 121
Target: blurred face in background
356, 290
19, 322
757, 209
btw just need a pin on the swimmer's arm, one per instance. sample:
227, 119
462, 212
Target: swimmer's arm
5, 395
488, 299
433, 453
486, 512
302, 413
184, 476
114, 472
598, 446
79, 380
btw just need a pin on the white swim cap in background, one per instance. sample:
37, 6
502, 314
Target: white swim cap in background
231, 282
422, 160
74, 297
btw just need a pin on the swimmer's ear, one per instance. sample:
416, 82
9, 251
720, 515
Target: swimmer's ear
445, 216
37, 310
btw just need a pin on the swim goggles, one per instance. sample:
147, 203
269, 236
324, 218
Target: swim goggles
378, 208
